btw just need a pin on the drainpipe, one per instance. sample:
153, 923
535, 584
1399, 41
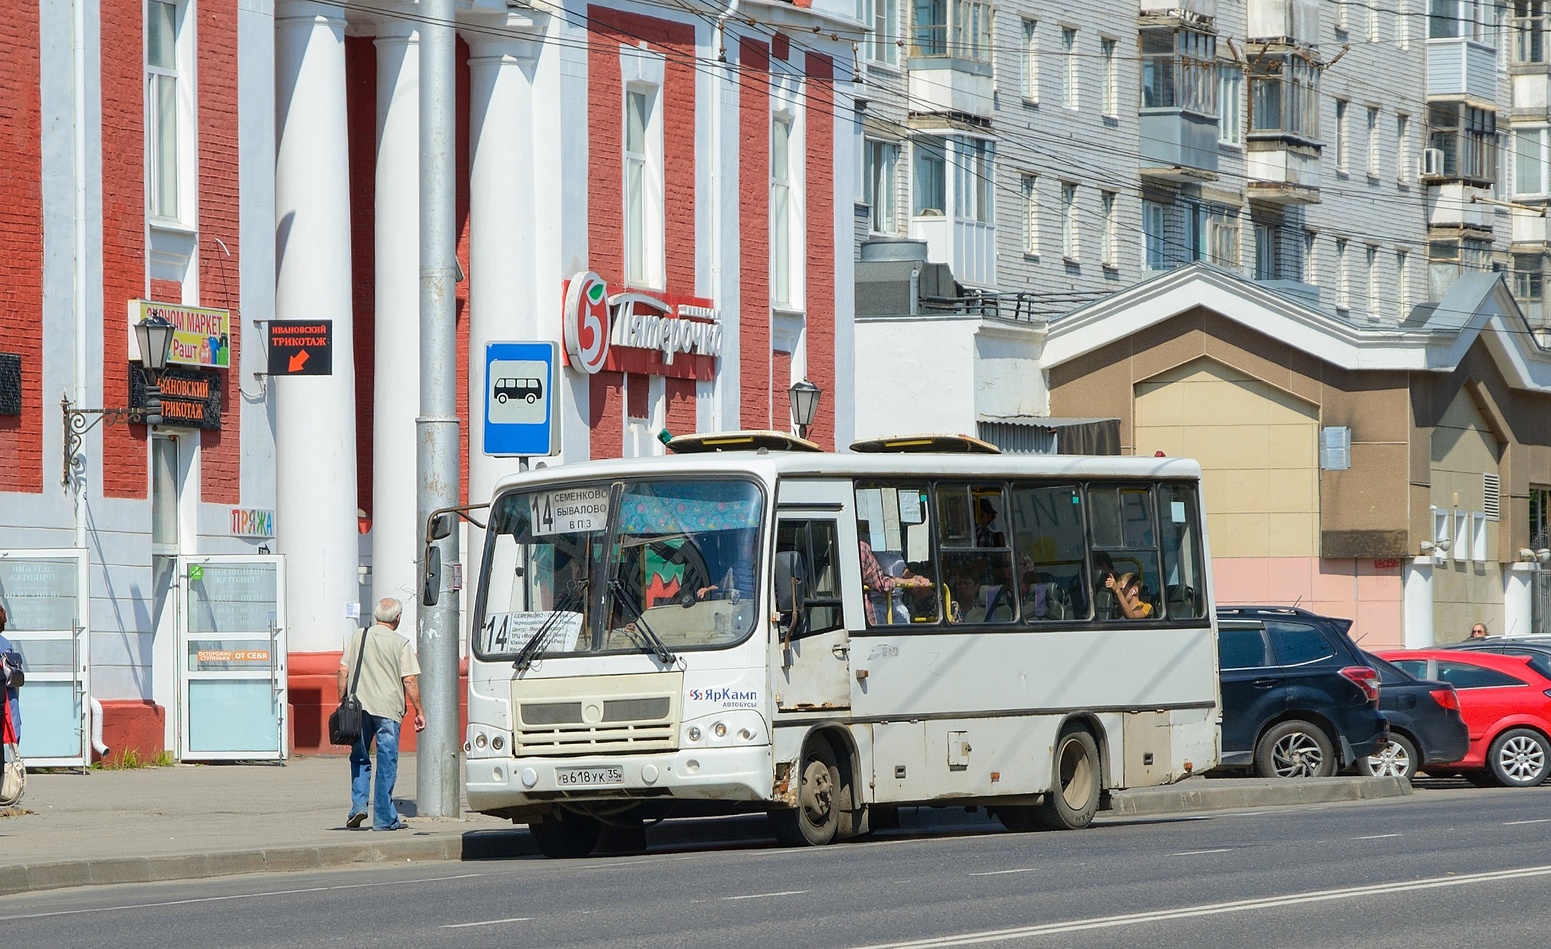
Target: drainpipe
82, 284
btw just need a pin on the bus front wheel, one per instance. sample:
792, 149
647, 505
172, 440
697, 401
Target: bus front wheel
1077, 779
565, 835
821, 793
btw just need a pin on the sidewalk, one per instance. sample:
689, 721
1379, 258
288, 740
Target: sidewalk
195, 821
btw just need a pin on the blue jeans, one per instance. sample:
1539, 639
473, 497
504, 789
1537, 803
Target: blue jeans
386, 733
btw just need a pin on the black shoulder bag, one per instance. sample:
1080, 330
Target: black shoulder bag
345, 722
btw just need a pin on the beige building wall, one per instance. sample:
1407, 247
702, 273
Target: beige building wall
1467, 579
1258, 448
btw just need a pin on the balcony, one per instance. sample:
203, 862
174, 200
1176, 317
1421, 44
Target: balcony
1288, 21
1282, 173
1530, 227
1197, 8
1178, 145
1453, 204
950, 85
967, 246
1461, 68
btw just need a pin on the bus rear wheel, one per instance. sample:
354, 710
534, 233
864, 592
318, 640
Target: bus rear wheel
821, 793
565, 835
1076, 780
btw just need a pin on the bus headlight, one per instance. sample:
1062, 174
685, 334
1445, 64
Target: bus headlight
498, 742
719, 730
694, 733
479, 740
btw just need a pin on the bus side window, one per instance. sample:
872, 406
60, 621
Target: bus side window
894, 526
1048, 551
807, 575
1182, 581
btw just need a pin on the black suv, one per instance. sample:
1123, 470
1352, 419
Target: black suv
1298, 699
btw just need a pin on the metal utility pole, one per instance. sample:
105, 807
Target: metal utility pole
437, 779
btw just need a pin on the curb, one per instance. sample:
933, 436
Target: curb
1195, 794
1216, 794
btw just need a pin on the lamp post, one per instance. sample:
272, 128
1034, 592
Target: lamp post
805, 405
154, 333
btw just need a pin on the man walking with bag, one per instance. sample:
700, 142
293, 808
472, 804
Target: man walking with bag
388, 673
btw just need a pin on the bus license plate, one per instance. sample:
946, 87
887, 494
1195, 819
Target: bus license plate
589, 777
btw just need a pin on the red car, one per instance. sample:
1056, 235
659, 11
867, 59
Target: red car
1506, 703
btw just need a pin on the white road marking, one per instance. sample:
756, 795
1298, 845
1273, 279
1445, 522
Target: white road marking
997, 873
238, 896
1376, 836
487, 922
1197, 853
1211, 909
760, 896
1538, 820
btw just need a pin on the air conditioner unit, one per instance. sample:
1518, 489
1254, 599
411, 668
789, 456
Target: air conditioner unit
1432, 162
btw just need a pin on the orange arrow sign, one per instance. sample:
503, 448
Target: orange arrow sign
298, 361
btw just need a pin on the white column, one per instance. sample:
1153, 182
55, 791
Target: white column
315, 479
1419, 603
502, 233
396, 384
1518, 599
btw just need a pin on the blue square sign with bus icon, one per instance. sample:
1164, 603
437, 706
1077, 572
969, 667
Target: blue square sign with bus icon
520, 398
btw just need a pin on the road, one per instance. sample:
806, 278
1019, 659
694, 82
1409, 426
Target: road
1450, 865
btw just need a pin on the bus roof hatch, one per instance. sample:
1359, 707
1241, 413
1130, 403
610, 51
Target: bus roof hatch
957, 444
739, 441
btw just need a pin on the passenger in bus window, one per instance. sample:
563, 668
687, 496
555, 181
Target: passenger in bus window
1100, 598
883, 587
986, 534
1128, 593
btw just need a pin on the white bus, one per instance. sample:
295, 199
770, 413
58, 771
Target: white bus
826, 637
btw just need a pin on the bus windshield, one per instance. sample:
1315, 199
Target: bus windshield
647, 565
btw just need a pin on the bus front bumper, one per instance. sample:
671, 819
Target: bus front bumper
741, 774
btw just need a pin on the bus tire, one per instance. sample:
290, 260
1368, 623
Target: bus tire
1076, 782
821, 793
565, 835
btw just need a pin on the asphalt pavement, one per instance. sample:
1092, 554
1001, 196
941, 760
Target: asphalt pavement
195, 821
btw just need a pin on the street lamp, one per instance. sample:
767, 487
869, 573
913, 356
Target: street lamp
154, 334
805, 405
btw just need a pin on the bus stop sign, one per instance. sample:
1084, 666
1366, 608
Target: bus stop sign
519, 399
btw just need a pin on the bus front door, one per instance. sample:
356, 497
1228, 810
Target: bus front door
812, 644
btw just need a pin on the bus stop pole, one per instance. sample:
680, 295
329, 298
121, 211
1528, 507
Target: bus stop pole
437, 774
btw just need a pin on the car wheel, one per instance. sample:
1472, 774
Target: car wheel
815, 821
1519, 758
1294, 749
1395, 758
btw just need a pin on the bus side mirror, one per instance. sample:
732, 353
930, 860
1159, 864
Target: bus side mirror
441, 526
431, 591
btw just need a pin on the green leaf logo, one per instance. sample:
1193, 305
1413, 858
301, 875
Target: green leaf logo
595, 293
196, 572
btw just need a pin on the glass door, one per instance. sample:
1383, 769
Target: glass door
44, 593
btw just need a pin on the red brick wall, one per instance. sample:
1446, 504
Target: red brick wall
220, 474
21, 250
611, 29
361, 117
754, 234
680, 416
166, 291
124, 461
820, 271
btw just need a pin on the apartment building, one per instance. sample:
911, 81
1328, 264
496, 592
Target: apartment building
1131, 210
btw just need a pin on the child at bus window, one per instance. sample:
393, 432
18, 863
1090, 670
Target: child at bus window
1128, 593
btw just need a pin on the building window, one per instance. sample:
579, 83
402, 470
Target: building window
1223, 239
1071, 242
1467, 137
1267, 252
1342, 144
1111, 77
1529, 31
1373, 143
1539, 517
1448, 259
1284, 97
1371, 262
957, 28
1179, 70
1402, 285
1230, 104
1030, 215
1311, 258
1404, 163
785, 216
1069, 80
643, 188
1456, 19
880, 162
163, 139
1343, 276
1109, 247
930, 177
975, 172
1031, 60
1529, 286
1154, 238
882, 17
1530, 162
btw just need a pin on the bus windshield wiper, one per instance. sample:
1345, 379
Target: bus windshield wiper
641, 629
535, 643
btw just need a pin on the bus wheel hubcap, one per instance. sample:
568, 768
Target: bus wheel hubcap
817, 792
